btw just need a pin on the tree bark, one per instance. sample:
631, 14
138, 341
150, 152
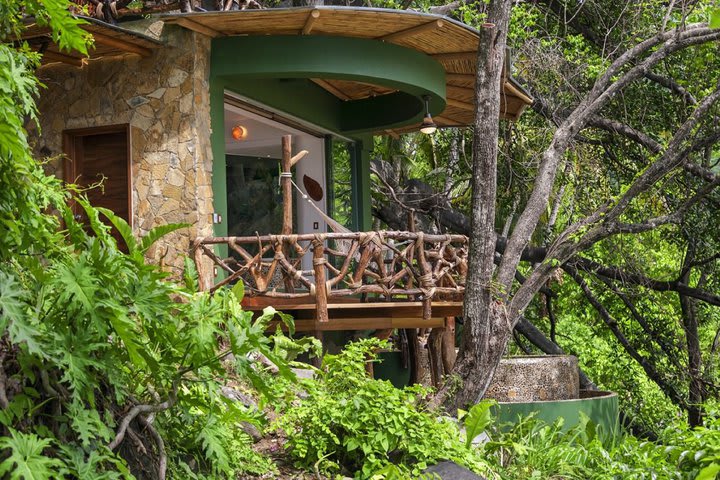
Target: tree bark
486, 330
696, 395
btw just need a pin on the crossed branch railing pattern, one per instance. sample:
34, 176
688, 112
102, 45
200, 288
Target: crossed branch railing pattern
389, 264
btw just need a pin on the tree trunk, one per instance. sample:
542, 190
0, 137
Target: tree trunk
486, 330
696, 395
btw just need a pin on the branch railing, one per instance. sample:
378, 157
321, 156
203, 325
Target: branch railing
389, 265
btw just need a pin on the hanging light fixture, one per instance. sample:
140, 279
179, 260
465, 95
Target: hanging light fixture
427, 126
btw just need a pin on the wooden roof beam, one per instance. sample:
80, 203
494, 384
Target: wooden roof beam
108, 41
452, 89
511, 90
455, 56
461, 105
412, 31
392, 133
446, 121
51, 56
459, 77
310, 21
331, 88
196, 27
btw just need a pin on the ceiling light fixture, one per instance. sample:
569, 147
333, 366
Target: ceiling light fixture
427, 126
239, 132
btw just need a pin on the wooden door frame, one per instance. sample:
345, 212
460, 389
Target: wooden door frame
69, 166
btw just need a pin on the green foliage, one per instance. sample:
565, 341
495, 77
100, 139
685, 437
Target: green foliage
87, 331
26, 460
476, 420
353, 424
534, 449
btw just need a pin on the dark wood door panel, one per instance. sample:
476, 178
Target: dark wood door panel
99, 160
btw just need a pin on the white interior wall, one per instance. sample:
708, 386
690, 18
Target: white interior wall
264, 139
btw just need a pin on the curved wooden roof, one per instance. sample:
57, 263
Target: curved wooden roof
451, 43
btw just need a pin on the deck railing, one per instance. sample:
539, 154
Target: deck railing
385, 264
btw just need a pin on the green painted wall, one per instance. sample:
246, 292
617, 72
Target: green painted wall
275, 71
360, 170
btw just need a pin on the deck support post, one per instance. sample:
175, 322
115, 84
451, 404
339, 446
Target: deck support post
417, 371
437, 368
449, 355
441, 350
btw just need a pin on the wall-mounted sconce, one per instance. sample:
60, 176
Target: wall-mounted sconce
239, 133
427, 126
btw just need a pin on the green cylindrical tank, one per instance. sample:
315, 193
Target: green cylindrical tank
601, 407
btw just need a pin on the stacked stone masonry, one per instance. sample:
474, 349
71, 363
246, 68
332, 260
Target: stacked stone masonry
165, 100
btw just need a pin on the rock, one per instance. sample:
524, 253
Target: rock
176, 77
252, 431
303, 373
452, 471
246, 400
237, 395
135, 102
158, 93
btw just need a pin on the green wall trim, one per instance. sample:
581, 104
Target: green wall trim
275, 70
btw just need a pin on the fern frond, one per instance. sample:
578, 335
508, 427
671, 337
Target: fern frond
158, 232
13, 313
26, 460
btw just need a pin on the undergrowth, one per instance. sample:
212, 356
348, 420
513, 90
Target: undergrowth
348, 423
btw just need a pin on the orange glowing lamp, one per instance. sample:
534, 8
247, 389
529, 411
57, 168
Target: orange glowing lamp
239, 133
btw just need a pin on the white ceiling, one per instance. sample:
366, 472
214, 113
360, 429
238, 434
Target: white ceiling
264, 136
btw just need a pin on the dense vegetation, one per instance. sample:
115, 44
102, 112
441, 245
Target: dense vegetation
110, 370
639, 307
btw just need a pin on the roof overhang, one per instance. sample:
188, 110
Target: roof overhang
450, 44
109, 41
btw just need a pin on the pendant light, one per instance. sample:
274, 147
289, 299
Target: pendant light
427, 126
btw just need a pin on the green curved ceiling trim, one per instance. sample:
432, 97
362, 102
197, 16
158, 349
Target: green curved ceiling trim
276, 70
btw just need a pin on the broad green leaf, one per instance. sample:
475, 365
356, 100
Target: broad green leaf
714, 18
122, 226
26, 459
477, 420
709, 473
239, 290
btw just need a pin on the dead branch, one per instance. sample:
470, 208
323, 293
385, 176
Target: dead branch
142, 409
606, 87
4, 403
159, 443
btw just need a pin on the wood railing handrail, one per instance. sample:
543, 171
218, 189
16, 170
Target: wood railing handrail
410, 265
389, 234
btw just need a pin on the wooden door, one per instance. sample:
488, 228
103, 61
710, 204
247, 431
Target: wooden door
100, 156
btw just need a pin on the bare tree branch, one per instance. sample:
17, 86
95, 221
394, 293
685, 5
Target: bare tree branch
612, 324
142, 409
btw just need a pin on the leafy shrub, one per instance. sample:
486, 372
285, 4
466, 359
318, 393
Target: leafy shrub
533, 449
91, 334
350, 423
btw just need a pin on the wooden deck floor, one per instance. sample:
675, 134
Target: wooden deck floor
351, 314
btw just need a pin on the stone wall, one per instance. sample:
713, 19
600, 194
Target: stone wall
165, 100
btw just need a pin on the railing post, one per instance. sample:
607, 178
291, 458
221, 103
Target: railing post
426, 279
321, 299
203, 282
286, 184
